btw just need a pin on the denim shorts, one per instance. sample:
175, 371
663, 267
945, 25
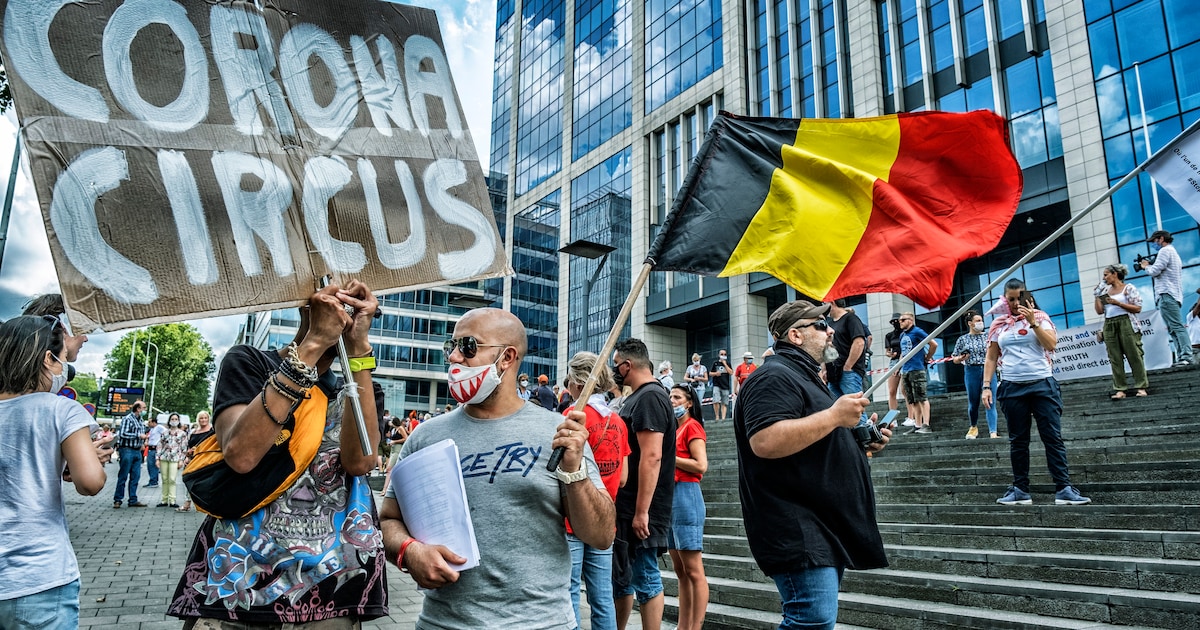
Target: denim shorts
52, 609
687, 518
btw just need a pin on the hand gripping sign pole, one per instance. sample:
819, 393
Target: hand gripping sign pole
920, 347
351, 390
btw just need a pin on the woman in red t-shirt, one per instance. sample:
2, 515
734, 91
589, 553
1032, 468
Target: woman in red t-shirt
686, 539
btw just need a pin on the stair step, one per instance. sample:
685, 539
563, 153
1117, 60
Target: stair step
1148, 543
1082, 569
910, 614
1100, 604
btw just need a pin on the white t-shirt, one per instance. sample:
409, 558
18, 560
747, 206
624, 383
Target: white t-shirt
1023, 359
1193, 326
35, 546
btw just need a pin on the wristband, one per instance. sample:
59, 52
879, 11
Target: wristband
358, 364
400, 556
988, 387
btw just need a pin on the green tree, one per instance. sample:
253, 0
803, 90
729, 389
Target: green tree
85, 386
185, 363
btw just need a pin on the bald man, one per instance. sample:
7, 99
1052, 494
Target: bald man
517, 506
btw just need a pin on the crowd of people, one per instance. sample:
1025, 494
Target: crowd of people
627, 489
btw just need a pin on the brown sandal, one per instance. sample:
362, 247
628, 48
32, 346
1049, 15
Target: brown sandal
1117, 396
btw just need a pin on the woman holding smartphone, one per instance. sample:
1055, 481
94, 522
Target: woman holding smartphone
1023, 339
43, 433
1119, 303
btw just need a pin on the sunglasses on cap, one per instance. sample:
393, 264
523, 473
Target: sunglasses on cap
469, 346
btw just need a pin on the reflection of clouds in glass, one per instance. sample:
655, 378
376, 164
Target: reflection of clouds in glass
1110, 94
603, 75
1029, 139
501, 101
539, 115
683, 45
1053, 131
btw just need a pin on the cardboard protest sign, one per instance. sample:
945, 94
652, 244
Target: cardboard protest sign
205, 158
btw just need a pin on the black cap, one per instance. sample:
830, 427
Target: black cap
1157, 235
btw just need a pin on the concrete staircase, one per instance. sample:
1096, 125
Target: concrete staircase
959, 560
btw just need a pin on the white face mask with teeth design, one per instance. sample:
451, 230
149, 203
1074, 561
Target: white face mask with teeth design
472, 385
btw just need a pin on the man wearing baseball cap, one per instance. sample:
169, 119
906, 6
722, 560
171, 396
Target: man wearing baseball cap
1167, 271
805, 486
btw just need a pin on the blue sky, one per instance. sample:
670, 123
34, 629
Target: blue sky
468, 30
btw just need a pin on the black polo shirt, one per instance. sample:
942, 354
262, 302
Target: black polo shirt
815, 508
845, 331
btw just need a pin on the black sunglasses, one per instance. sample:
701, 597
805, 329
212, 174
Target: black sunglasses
469, 346
820, 325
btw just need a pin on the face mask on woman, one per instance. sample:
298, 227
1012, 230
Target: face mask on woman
977, 326
524, 383
679, 411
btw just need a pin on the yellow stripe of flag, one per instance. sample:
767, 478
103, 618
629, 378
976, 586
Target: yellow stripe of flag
827, 183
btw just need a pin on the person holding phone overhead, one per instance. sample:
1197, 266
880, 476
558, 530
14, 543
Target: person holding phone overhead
1023, 339
1119, 303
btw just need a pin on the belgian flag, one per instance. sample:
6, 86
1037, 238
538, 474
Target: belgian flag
839, 207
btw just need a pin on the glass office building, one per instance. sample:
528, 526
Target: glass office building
632, 87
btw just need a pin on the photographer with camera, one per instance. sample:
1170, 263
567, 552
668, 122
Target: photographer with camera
1166, 268
1119, 303
804, 480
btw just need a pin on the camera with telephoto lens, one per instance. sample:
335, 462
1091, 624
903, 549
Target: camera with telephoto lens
867, 434
1137, 262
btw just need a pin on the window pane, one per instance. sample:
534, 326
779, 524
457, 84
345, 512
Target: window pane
975, 31
1158, 92
1019, 79
1141, 32
1011, 22
1182, 23
1110, 93
1187, 76
1029, 139
1103, 40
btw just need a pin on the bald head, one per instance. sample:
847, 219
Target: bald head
494, 325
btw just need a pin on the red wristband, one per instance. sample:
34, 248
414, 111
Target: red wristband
400, 556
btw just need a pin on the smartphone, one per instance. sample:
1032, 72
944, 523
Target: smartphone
889, 420
1026, 299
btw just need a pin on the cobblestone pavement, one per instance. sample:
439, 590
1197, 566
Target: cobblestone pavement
130, 561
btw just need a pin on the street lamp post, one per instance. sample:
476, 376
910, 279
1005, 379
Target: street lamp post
154, 379
591, 250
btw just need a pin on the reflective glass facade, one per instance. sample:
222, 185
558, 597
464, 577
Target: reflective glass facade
502, 86
796, 59
1163, 38
535, 286
683, 45
600, 213
603, 72
539, 102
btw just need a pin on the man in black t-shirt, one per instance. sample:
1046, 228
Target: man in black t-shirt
644, 502
315, 553
721, 374
804, 482
846, 373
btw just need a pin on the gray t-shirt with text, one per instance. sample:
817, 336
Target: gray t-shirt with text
517, 509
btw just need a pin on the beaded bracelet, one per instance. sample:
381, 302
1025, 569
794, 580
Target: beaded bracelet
307, 374
295, 376
293, 395
267, 409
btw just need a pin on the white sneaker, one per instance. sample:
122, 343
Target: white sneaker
909, 422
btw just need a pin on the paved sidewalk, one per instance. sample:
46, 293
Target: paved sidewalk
130, 561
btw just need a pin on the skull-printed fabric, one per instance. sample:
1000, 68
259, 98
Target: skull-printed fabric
315, 553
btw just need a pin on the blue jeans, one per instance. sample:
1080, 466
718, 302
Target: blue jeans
645, 580
52, 609
1042, 401
973, 378
809, 597
1169, 309
152, 465
595, 567
131, 468
850, 383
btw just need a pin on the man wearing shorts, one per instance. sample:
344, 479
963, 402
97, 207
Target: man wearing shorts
912, 374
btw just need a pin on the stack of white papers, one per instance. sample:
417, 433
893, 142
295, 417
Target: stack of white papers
433, 500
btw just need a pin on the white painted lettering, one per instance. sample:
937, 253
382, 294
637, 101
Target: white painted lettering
323, 178
191, 106
73, 215
256, 213
296, 50
411, 250
437, 83
440, 177
246, 74
384, 95
27, 40
190, 224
